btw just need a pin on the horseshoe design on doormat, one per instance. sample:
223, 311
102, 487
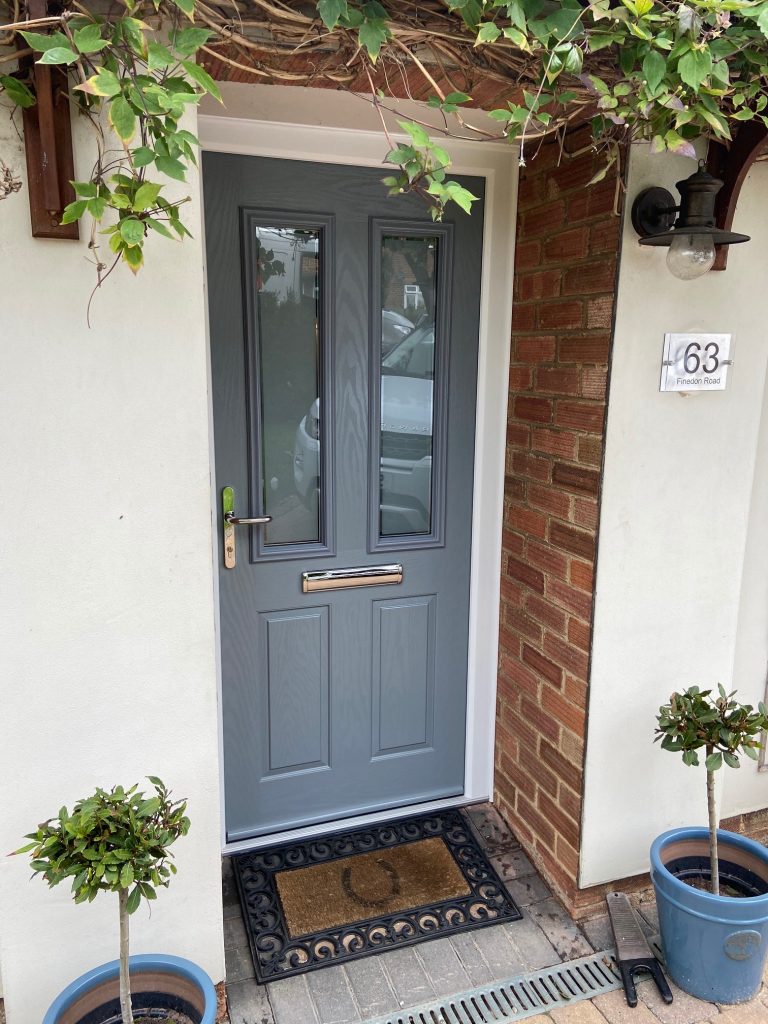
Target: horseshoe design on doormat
394, 882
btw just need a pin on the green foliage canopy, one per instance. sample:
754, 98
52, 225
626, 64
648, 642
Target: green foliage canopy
112, 841
694, 720
663, 71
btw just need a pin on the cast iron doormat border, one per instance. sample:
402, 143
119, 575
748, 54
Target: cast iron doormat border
276, 955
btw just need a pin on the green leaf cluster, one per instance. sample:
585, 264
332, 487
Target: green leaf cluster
423, 171
145, 81
695, 720
111, 841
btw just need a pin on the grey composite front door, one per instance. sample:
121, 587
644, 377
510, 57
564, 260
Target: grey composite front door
344, 333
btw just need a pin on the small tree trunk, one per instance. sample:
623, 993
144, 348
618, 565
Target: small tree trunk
713, 823
125, 980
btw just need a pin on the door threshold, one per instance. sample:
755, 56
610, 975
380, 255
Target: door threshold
358, 821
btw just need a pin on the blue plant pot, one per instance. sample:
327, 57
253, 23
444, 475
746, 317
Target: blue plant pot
715, 946
162, 982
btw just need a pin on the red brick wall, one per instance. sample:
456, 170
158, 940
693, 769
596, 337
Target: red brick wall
565, 272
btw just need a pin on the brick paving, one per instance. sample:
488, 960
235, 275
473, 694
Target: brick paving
406, 977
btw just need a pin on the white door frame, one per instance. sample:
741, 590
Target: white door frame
497, 163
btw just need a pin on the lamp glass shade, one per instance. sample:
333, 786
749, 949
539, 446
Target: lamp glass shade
690, 255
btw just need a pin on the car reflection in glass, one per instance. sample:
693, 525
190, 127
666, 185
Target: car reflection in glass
407, 372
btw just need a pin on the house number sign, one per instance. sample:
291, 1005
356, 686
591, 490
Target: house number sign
695, 362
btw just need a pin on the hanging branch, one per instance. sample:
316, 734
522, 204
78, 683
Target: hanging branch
640, 69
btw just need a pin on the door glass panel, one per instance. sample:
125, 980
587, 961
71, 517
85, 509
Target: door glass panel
409, 304
286, 309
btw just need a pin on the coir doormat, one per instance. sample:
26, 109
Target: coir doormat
351, 894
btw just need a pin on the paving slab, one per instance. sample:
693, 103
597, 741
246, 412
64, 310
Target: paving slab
599, 933
527, 890
445, 971
239, 963
407, 977
471, 958
534, 948
291, 1002
331, 993
577, 1013
248, 1003
748, 1013
616, 1010
559, 927
491, 828
235, 935
503, 957
511, 864
370, 985
683, 1010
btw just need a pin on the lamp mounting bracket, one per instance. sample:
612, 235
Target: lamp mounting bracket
653, 212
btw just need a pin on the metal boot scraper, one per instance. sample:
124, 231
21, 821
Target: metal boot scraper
632, 950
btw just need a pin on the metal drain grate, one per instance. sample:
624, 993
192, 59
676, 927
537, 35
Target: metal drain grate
519, 997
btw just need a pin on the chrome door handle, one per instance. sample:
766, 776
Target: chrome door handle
233, 520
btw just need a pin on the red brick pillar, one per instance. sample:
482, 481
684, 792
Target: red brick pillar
568, 240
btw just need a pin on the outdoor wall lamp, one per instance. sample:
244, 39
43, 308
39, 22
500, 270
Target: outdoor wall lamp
691, 237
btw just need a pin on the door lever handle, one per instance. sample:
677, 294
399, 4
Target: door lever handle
233, 520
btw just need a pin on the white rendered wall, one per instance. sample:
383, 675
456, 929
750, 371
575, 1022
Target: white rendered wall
106, 602
683, 513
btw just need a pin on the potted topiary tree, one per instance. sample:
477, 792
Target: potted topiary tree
712, 885
119, 841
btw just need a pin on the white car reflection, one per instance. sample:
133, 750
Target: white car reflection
406, 438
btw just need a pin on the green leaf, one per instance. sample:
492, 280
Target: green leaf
762, 18
88, 39
654, 69
677, 144
695, 67
159, 56
731, 759
105, 83
331, 11
159, 227
131, 231
96, 207
189, 40
42, 42
142, 156
419, 134
714, 761
122, 117
146, 196
200, 75
126, 876
187, 6
134, 899
461, 196
17, 91
172, 167
489, 32
58, 55
373, 34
